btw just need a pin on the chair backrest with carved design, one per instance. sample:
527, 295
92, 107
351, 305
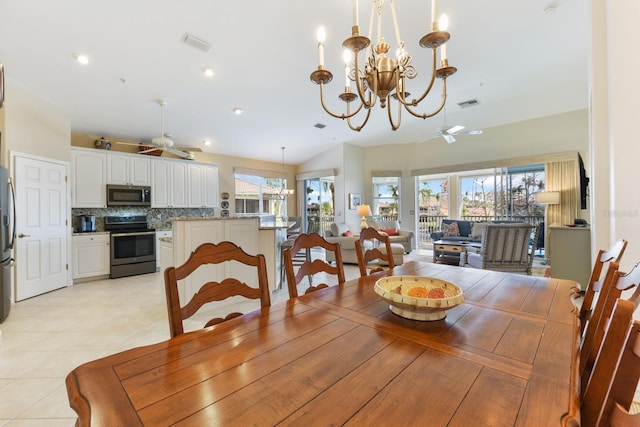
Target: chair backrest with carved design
217, 289
310, 267
368, 249
593, 288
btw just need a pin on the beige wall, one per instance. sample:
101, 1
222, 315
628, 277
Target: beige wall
33, 125
614, 128
531, 138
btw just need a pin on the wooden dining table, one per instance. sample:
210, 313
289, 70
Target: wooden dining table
339, 356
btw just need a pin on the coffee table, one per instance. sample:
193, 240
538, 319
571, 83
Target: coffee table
448, 251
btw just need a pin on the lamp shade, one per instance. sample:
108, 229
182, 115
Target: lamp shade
548, 197
363, 210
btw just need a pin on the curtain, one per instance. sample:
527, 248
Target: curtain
564, 177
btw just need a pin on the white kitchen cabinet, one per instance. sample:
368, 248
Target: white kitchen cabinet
203, 185
210, 190
160, 234
128, 169
169, 184
88, 178
91, 253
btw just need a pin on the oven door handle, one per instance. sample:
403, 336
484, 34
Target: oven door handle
141, 233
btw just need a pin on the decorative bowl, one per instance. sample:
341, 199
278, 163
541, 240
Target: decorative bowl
419, 297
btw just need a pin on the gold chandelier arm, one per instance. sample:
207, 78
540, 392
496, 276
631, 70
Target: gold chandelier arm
394, 126
332, 114
359, 81
366, 119
427, 115
433, 78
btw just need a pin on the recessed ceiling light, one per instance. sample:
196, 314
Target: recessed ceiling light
83, 59
207, 72
207, 142
238, 111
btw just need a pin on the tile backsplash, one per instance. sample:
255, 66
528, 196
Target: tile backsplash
158, 218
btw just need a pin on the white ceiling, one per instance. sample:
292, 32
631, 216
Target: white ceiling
517, 61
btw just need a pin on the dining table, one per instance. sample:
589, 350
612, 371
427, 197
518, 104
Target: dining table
339, 356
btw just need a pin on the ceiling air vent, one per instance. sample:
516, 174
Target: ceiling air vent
319, 126
195, 42
469, 103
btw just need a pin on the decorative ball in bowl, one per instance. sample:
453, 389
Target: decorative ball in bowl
418, 297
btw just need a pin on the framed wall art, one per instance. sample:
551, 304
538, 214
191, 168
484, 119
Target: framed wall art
355, 200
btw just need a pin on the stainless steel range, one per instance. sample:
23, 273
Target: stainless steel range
133, 244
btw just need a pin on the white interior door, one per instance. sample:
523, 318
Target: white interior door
41, 223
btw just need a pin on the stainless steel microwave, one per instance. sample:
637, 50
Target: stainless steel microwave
128, 195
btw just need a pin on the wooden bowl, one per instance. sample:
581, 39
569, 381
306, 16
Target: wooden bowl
418, 297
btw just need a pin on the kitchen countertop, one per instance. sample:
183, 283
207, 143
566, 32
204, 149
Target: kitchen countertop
86, 233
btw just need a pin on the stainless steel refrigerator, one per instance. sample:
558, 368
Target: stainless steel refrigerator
7, 239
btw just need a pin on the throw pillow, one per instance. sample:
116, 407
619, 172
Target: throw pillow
347, 233
390, 231
450, 229
476, 231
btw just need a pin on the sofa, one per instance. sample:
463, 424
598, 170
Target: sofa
459, 230
340, 233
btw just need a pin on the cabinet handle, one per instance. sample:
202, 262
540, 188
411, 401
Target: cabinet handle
20, 235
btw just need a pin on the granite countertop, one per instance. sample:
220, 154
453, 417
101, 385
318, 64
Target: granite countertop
166, 239
75, 233
210, 218
275, 225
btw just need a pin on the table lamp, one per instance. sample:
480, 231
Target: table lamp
364, 211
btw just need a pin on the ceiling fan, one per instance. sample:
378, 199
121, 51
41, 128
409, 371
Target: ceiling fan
448, 132
164, 141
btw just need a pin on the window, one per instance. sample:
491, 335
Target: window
386, 197
258, 195
502, 193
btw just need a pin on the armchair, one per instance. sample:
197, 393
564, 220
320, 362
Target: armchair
504, 247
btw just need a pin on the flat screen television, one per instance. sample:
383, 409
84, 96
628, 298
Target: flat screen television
584, 184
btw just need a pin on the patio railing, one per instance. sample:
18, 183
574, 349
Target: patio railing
428, 224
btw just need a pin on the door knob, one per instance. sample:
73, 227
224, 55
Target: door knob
20, 235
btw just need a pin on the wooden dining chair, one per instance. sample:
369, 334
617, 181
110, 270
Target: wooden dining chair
608, 396
215, 289
310, 267
368, 249
614, 283
585, 303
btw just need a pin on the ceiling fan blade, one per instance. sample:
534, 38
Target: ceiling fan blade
149, 150
177, 152
469, 132
128, 143
186, 148
449, 138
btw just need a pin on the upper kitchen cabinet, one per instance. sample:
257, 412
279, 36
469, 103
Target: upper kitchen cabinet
88, 178
203, 185
128, 169
169, 184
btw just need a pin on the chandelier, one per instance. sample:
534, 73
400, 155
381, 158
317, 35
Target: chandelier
383, 79
284, 192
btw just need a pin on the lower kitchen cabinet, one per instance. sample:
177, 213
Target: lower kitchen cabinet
91, 253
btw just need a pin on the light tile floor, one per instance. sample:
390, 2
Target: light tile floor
45, 337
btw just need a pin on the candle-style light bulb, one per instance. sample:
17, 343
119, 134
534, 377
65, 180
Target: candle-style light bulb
443, 24
321, 35
346, 57
434, 12
355, 12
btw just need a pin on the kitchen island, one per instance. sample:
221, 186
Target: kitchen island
251, 234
